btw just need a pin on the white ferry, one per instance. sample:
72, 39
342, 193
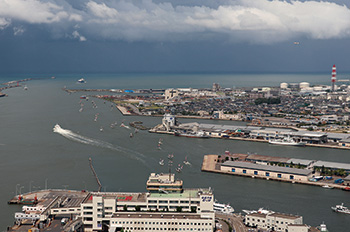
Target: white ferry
81, 80
223, 208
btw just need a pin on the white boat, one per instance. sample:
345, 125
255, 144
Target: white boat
161, 162
341, 209
286, 141
260, 210
186, 162
327, 187
223, 208
81, 80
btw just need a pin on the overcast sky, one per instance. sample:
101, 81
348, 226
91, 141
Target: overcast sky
254, 36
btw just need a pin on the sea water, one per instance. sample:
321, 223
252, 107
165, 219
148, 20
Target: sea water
35, 156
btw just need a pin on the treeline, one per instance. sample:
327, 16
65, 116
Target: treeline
270, 100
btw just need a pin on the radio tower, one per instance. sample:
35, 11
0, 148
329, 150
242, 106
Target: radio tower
334, 77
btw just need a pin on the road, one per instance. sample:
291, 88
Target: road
235, 221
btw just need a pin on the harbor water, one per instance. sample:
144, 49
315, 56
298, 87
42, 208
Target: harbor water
33, 157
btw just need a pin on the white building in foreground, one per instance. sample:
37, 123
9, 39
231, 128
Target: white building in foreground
276, 222
185, 210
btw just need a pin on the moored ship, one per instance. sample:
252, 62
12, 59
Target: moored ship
286, 141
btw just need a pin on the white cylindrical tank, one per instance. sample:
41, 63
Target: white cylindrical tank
318, 88
304, 85
284, 85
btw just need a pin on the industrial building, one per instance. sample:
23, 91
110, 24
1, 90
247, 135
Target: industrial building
266, 171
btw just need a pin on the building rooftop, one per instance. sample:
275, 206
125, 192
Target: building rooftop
187, 193
334, 165
120, 196
300, 161
261, 215
270, 168
286, 216
267, 158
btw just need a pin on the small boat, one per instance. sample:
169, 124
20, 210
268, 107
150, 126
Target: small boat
186, 162
327, 187
25, 87
179, 168
131, 135
81, 109
123, 125
81, 80
341, 209
101, 129
161, 162
223, 208
83, 97
160, 141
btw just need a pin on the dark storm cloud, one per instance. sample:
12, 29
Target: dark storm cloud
260, 21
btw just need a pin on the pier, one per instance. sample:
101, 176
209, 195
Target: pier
95, 174
211, 163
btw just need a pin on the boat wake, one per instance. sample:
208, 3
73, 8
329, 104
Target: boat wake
94, 142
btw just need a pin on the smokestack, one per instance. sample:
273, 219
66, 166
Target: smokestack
334, 77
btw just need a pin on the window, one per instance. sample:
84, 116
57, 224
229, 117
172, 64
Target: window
291, 177
267, 174
174, 202
255, 172
184, 202
152, 201
279, 175
233, 170
163, 202
244, 171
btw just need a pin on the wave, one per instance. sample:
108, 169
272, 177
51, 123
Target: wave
94, 142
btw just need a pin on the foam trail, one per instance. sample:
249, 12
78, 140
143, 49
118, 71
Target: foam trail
94, 142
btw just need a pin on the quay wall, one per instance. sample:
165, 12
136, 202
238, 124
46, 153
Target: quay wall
155, 130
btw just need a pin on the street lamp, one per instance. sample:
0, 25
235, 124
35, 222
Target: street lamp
20, 190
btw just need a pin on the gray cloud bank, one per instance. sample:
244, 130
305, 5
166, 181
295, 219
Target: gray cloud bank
257, 21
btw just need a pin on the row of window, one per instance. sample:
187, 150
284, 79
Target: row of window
65, 210
164, 223
172, 202
266, 173
173, 229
